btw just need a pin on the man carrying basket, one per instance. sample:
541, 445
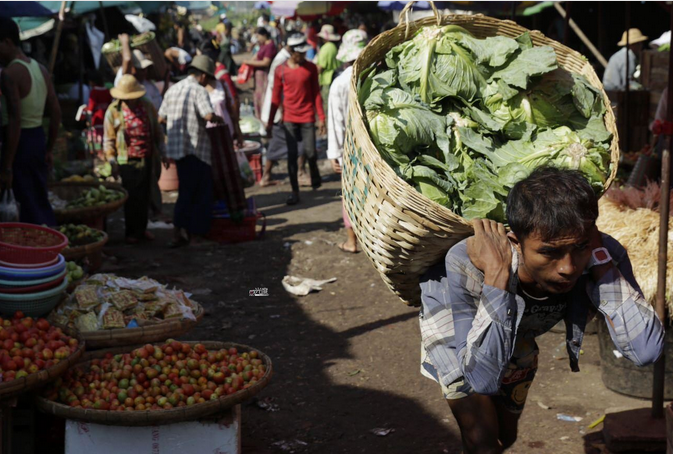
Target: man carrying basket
497, 291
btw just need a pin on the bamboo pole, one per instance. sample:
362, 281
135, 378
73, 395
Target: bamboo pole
660, 304
627, 98
57, 38
582, 36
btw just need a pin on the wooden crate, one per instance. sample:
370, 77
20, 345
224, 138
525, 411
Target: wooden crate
654, 76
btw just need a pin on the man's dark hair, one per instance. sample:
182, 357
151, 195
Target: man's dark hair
9, 29
265, 17
552, 203
208, 47
95, 77
263, 31
194, 71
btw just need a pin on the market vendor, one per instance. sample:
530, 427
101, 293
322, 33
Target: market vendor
132, 138
27, 95
615, 77
497, 291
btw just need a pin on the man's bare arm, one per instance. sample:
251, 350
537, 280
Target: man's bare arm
53, 111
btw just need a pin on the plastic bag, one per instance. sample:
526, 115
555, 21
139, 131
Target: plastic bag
9, 207
244, 74
247, 175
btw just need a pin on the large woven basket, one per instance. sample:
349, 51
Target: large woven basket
71, 190
147, 334
402, 232
19, 386
85, 250
159, 417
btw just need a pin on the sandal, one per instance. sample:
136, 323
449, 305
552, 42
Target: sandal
174, 244
342, 247
293, 199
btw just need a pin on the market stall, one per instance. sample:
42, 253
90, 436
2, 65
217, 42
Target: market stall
51, 312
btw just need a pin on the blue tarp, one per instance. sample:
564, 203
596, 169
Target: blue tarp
23, 9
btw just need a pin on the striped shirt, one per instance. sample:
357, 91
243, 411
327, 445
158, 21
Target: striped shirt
184, 107
469, 329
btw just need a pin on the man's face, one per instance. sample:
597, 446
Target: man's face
203, 79
298, 57
6, 47
555, 265
261, 39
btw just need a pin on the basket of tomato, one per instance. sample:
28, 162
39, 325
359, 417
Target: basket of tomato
33, 353
158, 384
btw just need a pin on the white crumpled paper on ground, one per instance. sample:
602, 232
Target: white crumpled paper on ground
302, 286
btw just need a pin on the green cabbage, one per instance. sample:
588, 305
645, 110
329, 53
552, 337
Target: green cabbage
463, 119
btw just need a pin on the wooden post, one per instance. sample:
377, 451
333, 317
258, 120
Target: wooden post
57, 38
566, 30
582, 36
627, 112
105, 28
660, 305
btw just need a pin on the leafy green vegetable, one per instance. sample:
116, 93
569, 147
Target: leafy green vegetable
463, 119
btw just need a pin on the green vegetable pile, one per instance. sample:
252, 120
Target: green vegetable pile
79, 235
115, 45
463, 119
74, 272
95, 197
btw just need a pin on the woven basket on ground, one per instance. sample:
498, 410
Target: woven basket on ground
72, 190
21, 385
151, 49
79, 252
156, 332
159, 417
402, 232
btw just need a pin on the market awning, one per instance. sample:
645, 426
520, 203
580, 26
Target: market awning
307, 9
30, 27
23, 9
492, 8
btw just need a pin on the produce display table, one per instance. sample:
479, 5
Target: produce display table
219, 433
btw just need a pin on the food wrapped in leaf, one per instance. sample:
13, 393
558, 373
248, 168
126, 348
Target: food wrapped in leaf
113, 319
87, 322
123, 300
86, 297
140, 296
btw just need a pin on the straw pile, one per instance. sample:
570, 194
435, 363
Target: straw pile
638, 231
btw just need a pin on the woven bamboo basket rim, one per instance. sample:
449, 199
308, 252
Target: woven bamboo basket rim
65, 214
401, 231
159, 417
155, 332
481, 26
21, 385
78, 252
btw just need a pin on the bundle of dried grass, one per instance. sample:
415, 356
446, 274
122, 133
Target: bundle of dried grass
638, 231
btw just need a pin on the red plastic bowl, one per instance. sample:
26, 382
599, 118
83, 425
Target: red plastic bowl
28, 244
34, 288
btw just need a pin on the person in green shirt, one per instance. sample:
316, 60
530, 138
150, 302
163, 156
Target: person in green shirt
327, 60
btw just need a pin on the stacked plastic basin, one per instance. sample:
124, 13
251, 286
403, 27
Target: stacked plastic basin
33, 274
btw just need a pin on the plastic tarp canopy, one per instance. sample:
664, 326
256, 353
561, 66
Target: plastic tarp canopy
495, 8
23, 9
77, 7
30, 27
307, 9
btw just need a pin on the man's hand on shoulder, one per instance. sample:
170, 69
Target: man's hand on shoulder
490, 251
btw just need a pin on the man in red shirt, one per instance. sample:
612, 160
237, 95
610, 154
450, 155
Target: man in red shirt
296, 88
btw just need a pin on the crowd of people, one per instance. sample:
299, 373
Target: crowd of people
187, 116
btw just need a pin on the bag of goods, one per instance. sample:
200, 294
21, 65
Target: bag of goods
28, 346
158, 377
445, 116
244, 74
107, 301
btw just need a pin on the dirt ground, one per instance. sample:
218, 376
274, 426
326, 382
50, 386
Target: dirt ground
346, 359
